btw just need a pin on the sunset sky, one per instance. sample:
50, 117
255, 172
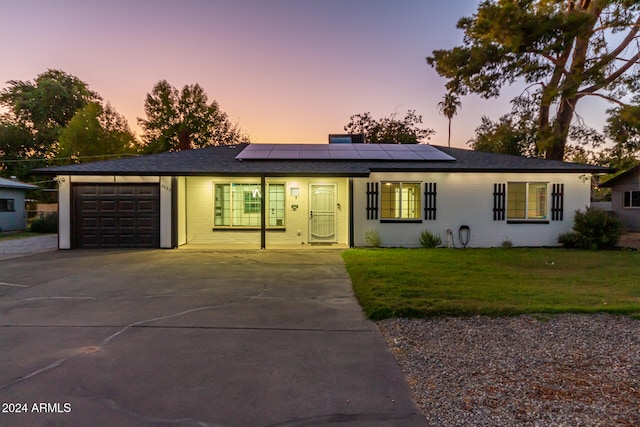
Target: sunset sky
288, 71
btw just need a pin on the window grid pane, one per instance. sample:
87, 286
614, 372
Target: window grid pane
400, 200
410, 200
527, 200
222, 205
390, 200
276, 205
516, 200
244, 199
537, 201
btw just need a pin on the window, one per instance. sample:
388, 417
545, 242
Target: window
527, 201
631, 199
400, 200
239, 205
7, 205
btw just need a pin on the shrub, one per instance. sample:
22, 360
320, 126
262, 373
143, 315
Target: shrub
372, 237
569, 240
429, 240
593, 229
45, 224
507, 244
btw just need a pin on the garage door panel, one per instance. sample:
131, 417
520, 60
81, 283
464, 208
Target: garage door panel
106, 190
116, 215
127, 206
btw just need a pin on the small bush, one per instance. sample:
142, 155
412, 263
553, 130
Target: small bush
46, 224
507, 244
569, 240
372, 237
429, 240
593, 229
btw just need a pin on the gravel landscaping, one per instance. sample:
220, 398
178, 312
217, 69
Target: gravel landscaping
565, 370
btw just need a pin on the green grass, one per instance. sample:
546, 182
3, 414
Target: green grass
493, 282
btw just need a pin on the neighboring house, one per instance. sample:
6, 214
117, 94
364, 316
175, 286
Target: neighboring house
625, 197
12, 213
270, 196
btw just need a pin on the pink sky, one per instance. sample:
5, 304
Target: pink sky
288, 71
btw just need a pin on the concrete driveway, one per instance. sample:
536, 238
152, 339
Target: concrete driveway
192, 338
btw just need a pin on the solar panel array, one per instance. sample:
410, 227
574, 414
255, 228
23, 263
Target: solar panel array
390, 152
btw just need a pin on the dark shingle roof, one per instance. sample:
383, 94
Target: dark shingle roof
621, 177
222, 161
10, 183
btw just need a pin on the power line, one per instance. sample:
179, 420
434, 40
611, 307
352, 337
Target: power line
55, 159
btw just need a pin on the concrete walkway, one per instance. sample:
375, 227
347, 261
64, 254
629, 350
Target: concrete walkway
13, 248
193, 338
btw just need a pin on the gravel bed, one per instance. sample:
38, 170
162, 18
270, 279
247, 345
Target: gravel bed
565, 370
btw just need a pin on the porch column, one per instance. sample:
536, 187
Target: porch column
263, 213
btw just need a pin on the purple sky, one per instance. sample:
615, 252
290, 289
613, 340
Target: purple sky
288, 71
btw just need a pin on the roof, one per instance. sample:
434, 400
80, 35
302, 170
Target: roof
224, 160
10, 183
616, 179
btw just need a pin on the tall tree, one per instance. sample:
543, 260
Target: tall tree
389, 129
182, 119
96, 131
448, 107
567, 49
36, 112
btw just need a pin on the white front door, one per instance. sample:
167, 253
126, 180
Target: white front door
322, 213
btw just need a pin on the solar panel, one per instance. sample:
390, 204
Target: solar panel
380, 152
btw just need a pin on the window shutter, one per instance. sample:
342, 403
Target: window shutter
430, 200
557, 202
372, 200
499, 201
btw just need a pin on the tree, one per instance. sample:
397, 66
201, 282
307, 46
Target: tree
514, 133
17, 148
181, 119
567, 49
35, 114
389, 129
45, 105
96, 131
507, 136
449, 108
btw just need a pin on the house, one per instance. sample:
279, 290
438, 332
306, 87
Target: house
12, 210
329, 195
625, 197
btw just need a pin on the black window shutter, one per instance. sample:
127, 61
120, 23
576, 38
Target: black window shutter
557, 202
372, 200
499, 201
430, 194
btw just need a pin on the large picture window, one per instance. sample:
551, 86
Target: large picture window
527, 201
239, 205
631, 199
400, 200
7, 205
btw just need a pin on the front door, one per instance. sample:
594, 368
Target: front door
322, 213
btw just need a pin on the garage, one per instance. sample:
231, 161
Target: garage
116, 215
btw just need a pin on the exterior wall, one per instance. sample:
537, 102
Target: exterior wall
16, 219
181, 209
166, 228
629, 216
199, 202
64, 211
64, 203
467, 199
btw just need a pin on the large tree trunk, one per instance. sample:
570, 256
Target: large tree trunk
561, 125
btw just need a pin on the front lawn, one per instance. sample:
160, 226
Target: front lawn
494, 282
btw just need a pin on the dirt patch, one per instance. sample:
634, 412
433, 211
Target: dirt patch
630, 240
